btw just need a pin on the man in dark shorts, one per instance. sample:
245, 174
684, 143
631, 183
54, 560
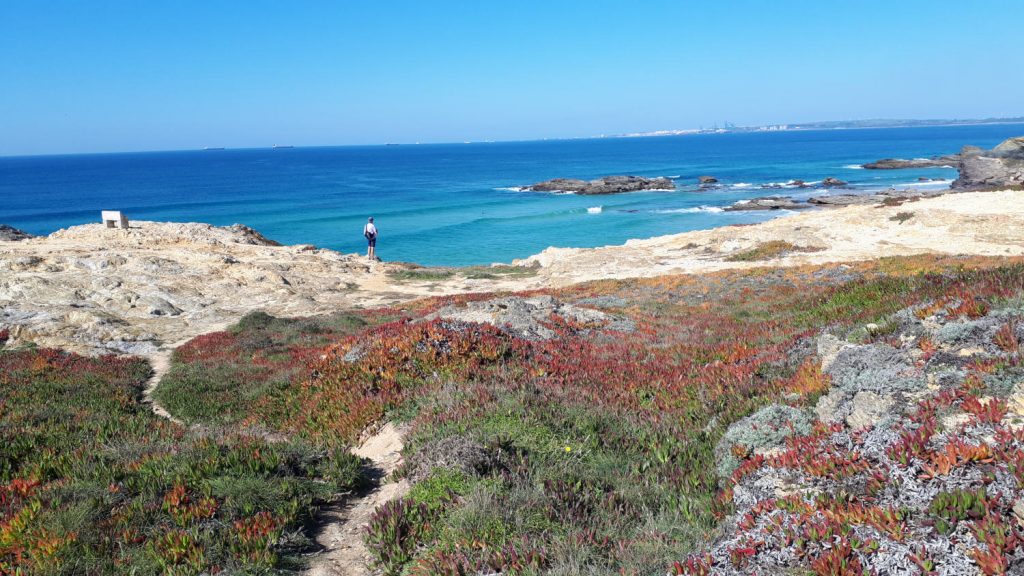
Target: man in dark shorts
370, 233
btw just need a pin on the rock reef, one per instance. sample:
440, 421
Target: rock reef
768, 203
949, 160
605, 185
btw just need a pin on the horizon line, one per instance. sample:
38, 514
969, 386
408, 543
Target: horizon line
664, 133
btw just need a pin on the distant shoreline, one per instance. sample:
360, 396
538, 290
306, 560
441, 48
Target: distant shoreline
817, 127
798, 127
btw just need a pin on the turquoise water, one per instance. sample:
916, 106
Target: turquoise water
457, 203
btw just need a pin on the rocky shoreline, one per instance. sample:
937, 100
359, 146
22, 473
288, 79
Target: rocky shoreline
97, 290
999, 168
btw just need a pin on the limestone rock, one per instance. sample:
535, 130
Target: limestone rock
868, 408
529, 318
93, 289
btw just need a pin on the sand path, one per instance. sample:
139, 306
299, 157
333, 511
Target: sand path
343, 525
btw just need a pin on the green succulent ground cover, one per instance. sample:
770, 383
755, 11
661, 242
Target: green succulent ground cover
589, 454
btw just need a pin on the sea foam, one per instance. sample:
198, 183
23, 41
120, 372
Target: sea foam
693, 210
595, 209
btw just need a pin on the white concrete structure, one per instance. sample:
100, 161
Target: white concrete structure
114, 217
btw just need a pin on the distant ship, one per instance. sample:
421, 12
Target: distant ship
276, 146
213, 148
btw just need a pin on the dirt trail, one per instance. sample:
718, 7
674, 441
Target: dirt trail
343, 525
341, 535
161, 364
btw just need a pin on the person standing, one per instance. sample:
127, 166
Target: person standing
370, 232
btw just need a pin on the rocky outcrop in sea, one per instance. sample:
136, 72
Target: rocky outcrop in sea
900, 163
1000, 167
768, 203
605, 185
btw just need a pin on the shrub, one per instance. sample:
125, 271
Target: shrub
901, 217
765, 429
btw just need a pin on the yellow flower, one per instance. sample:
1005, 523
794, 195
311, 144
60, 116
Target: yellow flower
568, 449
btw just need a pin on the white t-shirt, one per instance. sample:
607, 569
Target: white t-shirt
369, 229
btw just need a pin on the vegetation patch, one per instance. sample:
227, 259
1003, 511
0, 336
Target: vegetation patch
769, 251
901, 217
91, 482
469, 272
595, 451
217, 378
421, 274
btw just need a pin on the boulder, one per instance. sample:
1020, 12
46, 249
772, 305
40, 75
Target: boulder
11, 234
1001, 167
831, 182
605, 185
768, 203
705, 180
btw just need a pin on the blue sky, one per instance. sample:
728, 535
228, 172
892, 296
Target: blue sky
129, 75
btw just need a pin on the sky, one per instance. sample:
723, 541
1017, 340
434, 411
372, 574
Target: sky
108, 75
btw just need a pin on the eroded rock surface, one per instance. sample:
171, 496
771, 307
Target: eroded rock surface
1000, 167
532, 318
93, 289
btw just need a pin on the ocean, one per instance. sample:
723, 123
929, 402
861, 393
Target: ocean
459, 204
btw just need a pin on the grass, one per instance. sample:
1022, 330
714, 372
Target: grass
768, 251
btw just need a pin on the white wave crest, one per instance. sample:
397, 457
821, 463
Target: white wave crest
512, 189
937, 184
853, 167
693, 210
742, 185
595, 209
